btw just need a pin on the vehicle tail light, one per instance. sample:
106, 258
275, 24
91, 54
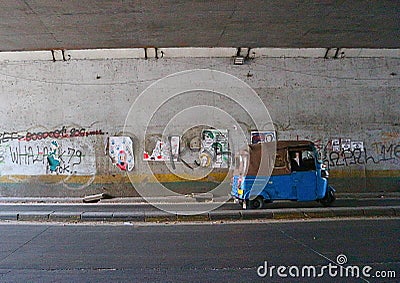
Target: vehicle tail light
239, 183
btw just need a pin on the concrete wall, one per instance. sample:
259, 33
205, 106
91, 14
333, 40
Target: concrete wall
348, 105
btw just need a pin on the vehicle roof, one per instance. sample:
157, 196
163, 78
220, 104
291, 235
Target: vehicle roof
292, 143
283, 144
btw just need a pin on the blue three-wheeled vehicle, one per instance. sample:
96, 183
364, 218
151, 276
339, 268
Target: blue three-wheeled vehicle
294, 174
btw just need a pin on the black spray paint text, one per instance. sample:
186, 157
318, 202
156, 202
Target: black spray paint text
28, 155
64, 132
384, 153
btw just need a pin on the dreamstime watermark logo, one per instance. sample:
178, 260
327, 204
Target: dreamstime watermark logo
332, 269
179, 103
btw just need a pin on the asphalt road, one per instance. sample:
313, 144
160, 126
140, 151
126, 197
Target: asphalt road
202, 253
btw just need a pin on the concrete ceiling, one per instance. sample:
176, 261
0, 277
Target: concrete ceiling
87, 24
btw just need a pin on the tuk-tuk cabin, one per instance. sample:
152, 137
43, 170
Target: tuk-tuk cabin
292, 173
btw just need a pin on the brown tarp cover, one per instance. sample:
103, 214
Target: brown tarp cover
263, 161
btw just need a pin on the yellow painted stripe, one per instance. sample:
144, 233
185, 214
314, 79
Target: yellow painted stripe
109, 179
167, 178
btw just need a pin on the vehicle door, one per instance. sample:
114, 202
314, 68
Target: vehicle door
303, 173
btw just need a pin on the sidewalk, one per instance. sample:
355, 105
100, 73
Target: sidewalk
170, 199
121, 209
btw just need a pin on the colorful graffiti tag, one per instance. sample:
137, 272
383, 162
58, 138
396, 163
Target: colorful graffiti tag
214, 150
120, 150
163, 150
262, 136
59, 151
53, 156
39, 158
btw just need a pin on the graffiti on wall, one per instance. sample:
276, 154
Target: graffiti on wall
214, 150
53, 157
159, 150
6, 137
345, 152
2, 153
60, 151
174, 142
120, 150
62, 133
262, 136
40, 158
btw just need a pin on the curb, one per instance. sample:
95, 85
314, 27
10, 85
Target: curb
228, 215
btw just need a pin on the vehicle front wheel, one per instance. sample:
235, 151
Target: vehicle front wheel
329, 198
257, 203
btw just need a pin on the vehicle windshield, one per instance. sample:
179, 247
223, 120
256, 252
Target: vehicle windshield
302, 159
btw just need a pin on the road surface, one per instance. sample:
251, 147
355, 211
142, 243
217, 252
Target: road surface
229, 252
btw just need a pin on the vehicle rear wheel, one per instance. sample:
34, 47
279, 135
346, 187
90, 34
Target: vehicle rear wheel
257, 203
329, 198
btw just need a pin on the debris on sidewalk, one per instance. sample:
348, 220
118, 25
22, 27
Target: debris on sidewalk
203, 197
96, 198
